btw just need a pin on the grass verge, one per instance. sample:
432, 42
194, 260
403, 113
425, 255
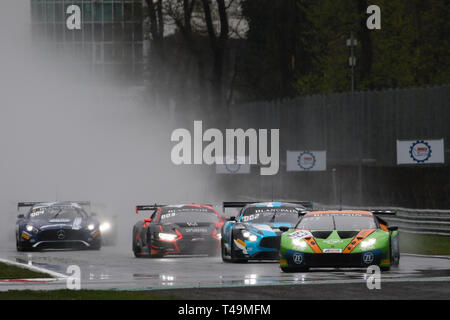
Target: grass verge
12, 272
424, 244
81, 295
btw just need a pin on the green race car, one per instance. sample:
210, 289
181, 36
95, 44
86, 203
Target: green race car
339, 239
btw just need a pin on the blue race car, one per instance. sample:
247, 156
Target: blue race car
56, 225
254, 234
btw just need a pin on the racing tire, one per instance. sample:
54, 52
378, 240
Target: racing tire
136, 249
149, 246
224, 252
395, 261
19, 248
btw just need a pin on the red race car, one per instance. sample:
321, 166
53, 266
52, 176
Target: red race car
177, 229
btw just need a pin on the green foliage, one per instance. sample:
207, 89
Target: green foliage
411, 49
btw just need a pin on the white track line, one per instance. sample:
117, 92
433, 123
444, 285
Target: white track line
54, 274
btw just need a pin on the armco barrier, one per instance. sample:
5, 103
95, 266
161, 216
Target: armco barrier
422, 221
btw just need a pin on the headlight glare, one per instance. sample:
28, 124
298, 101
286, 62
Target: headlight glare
299, 243
167, 236
368, 243
249, 236
31, 229
105, 226
91, 227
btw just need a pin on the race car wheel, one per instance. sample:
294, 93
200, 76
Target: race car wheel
394, 252
149, 246
136, 248
224, 252
18, 246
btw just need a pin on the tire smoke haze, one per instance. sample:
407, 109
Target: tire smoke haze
65, 136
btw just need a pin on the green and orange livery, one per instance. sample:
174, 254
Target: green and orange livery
339, 239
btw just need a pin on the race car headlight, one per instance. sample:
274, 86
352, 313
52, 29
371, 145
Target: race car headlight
91, 227
299, 243
368, 243
249, 236
167, 236
31, 229
105, 226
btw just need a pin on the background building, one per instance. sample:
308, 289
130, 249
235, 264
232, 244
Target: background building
110, 41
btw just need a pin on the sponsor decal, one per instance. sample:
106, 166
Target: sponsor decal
333, 241
332, 250
368, 257
25, 236
198, 230
297, 258
59, 220
300, 234
241, 245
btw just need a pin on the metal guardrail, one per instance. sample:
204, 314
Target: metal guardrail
426, 221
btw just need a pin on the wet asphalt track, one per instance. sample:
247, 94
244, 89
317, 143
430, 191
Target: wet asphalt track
116, 268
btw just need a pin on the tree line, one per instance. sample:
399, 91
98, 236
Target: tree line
265, 49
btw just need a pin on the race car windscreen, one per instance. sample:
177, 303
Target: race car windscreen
188, 214
56, 212
270, 215
336, 222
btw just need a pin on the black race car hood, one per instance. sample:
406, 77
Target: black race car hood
58, 223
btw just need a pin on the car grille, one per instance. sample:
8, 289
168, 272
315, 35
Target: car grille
335, 260
270, 242
55, 235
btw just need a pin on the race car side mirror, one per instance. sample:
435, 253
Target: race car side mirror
284, 229
393, 228
20, 216
148, 220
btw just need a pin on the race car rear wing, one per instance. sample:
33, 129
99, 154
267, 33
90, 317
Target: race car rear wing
145, 207
30, 204
306, 204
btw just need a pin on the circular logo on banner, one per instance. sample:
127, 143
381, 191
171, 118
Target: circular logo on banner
297, 258
234, 167
420, 151
306, 160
